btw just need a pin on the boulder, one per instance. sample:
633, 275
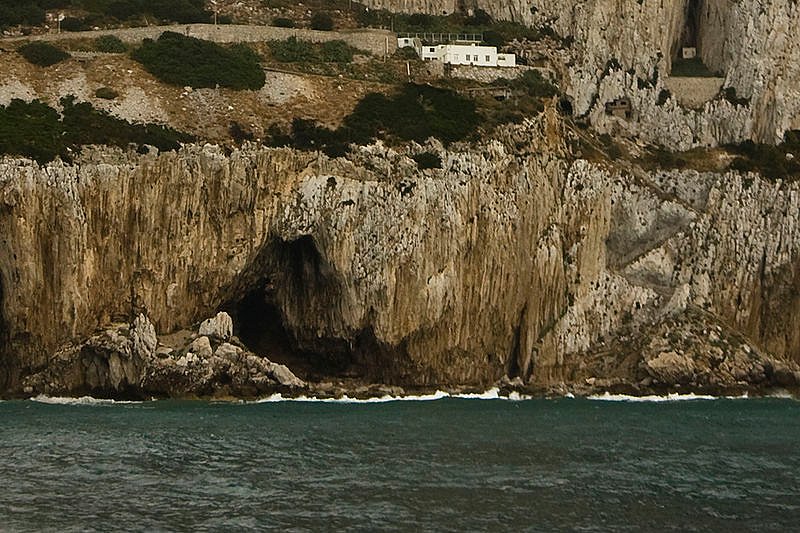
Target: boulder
201, 347
220, 327
229, 352
284, 376
672, 368
143, 334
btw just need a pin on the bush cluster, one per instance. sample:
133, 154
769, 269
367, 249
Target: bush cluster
294, 50
22, 12
181, 11
181, 60
495, 33
769, 160
415, 113
32, 12
531, 83
282, 22
106, 93
321, 21
42, 54
110, 44
36, 130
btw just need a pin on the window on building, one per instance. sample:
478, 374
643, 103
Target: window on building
455, 57
474, 58
488, 59
431, 49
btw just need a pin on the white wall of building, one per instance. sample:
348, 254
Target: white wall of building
460, 54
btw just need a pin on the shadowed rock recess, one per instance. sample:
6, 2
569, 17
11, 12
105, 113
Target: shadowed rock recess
514, 264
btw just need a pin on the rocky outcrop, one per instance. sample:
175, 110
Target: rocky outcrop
627, 49
512, 261
129, 360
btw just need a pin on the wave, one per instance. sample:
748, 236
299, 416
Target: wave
491, 394
83, 400
672, 397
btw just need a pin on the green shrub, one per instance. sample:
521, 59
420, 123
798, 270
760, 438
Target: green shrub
31, 130
321, 21
181, 60
336, 52
110, 44
281, 22
181, 11
422, 21
768, 160
106, 93
37, 131
416, 113
73, 24
531, 83
239, 134
292, 50
20, 12
427, 160
406, 53
42, 54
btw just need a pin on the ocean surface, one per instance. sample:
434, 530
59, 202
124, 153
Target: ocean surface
447, 464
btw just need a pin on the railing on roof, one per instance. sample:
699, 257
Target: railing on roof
441, 38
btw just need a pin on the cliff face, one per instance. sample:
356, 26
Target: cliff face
513, 260
627, 49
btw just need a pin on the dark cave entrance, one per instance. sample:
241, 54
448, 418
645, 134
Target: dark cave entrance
691, 28
291, 279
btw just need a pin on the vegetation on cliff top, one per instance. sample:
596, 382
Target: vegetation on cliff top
414, 113
294, 50
180, 60
42, 54
36, 130
101, 12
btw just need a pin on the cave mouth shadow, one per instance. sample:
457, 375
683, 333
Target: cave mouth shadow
294, 274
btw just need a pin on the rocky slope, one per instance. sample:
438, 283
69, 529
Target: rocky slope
514, 262
627, 49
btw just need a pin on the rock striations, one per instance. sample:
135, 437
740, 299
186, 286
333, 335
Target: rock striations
627, 49
514, 262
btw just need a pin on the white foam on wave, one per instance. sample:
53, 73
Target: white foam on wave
83, 400
491, 394
672, 397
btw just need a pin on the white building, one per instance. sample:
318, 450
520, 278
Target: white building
459, 54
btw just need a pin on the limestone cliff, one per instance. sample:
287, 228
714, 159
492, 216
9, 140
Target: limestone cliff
514, 260
627, 49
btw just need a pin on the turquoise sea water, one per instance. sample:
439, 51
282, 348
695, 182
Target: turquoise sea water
445, 465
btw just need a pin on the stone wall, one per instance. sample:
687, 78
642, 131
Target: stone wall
694, 92
376, 42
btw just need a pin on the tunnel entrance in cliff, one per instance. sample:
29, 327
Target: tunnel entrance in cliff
288, 292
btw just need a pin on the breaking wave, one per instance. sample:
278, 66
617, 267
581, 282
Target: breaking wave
83, 400
491, 394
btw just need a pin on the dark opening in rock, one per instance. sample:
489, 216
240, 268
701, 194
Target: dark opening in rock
565, 107
691, 29
290, 279
287, 306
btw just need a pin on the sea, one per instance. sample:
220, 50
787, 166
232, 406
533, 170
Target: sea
429, 463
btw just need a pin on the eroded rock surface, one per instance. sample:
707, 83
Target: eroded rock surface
513, 261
